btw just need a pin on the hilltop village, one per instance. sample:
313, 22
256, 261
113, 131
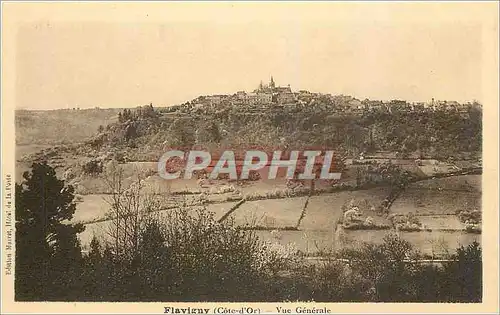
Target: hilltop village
268, 96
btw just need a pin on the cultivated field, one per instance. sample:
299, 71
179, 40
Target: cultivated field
440, 196
324, 211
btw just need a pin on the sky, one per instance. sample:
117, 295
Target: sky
128, 55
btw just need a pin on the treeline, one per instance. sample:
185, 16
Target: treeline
440, 133
146, 111
187, 255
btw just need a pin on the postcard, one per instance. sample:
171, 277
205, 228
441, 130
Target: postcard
249, 157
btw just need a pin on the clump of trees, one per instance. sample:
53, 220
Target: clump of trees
132, 124
92, 167
141, 112
440, 133
382, 173
392, 271
405, 222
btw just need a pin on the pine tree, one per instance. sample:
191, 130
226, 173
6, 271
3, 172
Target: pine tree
95, 256
48, 252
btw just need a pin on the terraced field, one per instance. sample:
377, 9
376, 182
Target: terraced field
440, 196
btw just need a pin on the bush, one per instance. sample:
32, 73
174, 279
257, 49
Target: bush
364, 226
469, 216
189, 256
92, 167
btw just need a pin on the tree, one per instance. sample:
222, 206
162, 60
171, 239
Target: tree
208, 133
130, 209
94, 255
127, 115
383, 268
92, 167
47, 250
182, 133
96, 275
462, 278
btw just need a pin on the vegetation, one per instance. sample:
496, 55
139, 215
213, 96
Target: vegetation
189, 256
423, 133
469, 216
92, 167
48, 255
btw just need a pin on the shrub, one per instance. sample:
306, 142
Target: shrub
92, 167
189, 256
470, 216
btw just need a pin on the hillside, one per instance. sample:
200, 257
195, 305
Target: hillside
60, 126
145, 133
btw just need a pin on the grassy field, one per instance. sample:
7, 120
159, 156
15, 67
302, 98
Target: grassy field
316, 242
426, 198
96, 229
87, 184
321, 214
438, 168
470, 183
437, 222
91, 207
275, 213
324, 211
309, 242
440, 196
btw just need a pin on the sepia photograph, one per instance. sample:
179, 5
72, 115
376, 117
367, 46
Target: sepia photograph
244, 157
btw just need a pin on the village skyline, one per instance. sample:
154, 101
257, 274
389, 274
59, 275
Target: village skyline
284, 93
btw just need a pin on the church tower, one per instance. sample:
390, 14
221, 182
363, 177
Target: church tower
271, 84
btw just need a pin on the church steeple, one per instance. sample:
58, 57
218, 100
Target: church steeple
271, 84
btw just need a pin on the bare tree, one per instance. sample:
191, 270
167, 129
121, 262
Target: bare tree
130, 209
